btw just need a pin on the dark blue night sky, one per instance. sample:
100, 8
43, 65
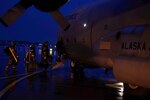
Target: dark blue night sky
33, 25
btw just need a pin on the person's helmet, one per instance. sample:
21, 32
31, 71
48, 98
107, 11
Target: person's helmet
46, 43
32, 47
12, 44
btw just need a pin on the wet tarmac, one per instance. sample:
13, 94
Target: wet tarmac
58, 83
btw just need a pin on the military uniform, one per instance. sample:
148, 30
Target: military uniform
12, 56
60, 50
46, 59
30, 60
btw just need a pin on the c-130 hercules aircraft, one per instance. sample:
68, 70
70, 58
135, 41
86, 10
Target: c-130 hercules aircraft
111, 34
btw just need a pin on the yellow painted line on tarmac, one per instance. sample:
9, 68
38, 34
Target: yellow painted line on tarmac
12, 76
15, 82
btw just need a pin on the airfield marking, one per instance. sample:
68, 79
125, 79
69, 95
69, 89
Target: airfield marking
55, 66
15, 82
12, 76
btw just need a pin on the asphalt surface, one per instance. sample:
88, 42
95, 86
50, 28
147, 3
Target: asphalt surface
58, 83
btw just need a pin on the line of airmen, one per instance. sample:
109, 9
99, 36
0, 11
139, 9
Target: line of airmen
46, 59
30, 57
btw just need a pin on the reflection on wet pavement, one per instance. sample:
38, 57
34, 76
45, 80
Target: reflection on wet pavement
58, 83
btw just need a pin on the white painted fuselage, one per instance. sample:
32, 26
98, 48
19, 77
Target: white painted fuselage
112, 34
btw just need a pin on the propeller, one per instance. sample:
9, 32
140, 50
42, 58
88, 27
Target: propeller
51, 6
15, 12
60, 19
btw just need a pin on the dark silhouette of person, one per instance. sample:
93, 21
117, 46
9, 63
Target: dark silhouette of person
60, 49
30, 59
46, 58
12, 56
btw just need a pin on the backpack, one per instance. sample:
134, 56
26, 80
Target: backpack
7, 51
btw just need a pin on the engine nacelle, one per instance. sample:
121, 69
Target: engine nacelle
132, 70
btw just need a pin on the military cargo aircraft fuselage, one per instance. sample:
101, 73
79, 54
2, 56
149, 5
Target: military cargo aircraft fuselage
112, 34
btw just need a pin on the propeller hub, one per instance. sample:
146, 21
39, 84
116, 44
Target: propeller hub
49, 5
26, 3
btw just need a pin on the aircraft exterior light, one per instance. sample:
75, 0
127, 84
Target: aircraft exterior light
85, 25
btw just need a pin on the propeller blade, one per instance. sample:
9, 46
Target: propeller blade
14, 13
60, 19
